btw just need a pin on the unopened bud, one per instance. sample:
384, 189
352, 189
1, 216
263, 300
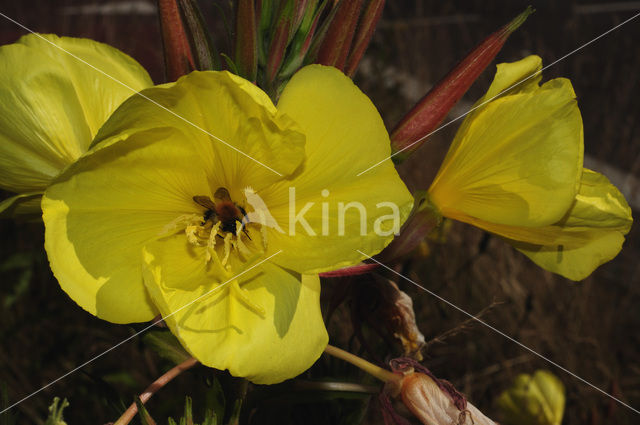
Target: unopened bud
425, 116
533, 400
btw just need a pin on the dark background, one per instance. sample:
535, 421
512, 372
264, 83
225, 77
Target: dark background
591, 327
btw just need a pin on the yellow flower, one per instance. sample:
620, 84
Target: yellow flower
515, 169
536, 399
52, 105
127, 240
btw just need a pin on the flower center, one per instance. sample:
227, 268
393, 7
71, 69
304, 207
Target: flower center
223, 228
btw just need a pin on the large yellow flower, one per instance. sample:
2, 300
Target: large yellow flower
515, 169
52, 105
127, 239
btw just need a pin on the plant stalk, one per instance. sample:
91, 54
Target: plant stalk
130, 413
382, 374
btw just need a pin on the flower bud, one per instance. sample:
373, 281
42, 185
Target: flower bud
425, 116
246, 45
536, 399
187, 43
177, 53
336, 45
366, 28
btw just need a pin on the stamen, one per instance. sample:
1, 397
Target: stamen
241, 294
192, 234
242, 248
263, 233
227, 248
202, 230
180, 223
211, 243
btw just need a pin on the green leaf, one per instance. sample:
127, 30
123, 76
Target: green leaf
215, 399
55, 412
188, 411
302, 41
241, 392
145, 417
7, 418
120, 377
210, 416
166, 345
230, 63
200, 39
279, 40
265, 15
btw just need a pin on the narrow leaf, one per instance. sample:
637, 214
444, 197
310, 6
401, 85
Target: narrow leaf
198, 36
279, 40
188, 411
215, 399
166, 345
264, 12
145, 417
300, 11
302, 42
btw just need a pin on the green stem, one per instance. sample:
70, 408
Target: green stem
130, 413
382, 374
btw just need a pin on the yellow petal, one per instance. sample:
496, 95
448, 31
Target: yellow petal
515, 77
590, 234
99, 214
264, 325
517, 161
515, 169
345, 136
600, 215
241, 140
599, 204
102, 76
52, 104
25, 204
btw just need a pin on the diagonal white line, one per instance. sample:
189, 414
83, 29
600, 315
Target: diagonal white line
137, 333
142, 95
500, 332
502, 92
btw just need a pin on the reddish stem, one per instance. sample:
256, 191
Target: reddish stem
358, 269
154, 387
